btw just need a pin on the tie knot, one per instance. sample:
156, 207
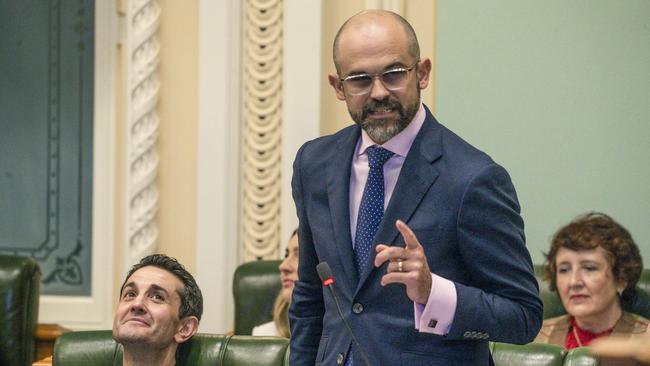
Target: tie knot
377, 156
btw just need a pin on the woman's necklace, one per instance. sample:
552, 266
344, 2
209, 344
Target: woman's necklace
575, 334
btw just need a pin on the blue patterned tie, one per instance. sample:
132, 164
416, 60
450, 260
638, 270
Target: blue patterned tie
371, 211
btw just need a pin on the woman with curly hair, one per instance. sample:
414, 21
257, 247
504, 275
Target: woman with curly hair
594, 266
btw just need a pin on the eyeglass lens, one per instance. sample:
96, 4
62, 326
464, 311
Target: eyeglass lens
392, 79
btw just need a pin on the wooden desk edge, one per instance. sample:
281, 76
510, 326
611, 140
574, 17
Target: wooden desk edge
47, 361
50, 332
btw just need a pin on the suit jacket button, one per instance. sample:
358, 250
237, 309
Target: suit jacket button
357, 308
340, 358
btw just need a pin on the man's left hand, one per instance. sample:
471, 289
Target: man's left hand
413, 271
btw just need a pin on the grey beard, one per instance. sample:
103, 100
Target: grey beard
383, 130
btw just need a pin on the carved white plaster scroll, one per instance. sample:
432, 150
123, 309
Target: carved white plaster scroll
262, 97
141, 50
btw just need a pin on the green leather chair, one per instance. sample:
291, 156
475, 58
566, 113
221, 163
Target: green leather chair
580, 357
255, 287
20, 280
641, 304
534, 354
97, 348
553, 305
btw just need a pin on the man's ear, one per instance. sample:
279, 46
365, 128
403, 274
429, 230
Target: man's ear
337, 85
188, 327
424, 70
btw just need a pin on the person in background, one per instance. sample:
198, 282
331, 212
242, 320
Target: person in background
160, 308
594, 266
288, 276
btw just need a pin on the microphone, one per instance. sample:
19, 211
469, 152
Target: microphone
325, 274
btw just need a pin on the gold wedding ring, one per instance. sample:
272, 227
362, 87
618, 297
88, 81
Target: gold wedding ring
400, 266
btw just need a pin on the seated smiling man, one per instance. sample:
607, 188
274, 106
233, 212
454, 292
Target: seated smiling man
160, 307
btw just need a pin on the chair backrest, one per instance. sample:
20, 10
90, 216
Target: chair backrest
553, 305
90, 348
533, 354
641, 304
581, 357
255, 287
20, 281
87, 348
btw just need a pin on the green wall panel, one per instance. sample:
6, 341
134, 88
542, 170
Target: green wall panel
46, 95
558, 92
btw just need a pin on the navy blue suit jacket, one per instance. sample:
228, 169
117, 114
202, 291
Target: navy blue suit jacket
463, 208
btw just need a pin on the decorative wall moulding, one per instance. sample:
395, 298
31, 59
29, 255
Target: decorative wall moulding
141, 59
262, 131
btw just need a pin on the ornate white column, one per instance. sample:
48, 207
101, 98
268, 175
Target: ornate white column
220, 212
262, 130
141, 51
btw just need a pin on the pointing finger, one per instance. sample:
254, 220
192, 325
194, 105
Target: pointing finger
409, 237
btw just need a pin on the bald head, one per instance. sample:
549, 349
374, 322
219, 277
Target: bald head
376, 18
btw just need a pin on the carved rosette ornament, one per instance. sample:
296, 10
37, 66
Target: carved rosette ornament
142, 54
262, 129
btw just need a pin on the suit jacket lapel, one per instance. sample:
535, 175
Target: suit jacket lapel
416, 177
338, 191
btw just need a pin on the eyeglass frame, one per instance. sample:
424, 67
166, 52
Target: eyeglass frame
379, 75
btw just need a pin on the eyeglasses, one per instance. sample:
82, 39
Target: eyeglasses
393, 79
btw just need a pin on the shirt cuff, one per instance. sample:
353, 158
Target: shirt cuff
437, 315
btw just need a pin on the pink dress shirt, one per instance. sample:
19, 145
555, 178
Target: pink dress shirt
441, 305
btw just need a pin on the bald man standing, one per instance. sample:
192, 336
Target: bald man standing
422, 231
